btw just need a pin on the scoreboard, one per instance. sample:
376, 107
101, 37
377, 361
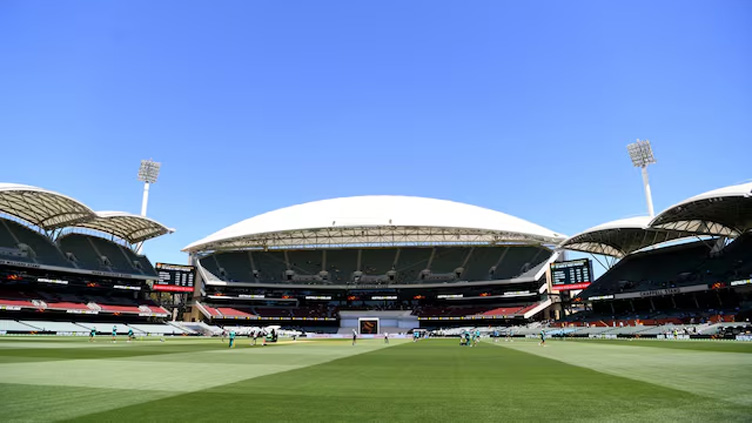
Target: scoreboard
174, 277
572, 274
368, 325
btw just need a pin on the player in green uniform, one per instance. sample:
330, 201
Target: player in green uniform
130, 335
232, 338
114, 334
92, 334
542, 338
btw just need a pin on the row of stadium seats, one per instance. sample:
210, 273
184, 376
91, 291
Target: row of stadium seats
267, 312
654, 329
501, 312
21, 243
658, 317
24, 244
14, 300
448, 311
91, 252
670, 330
226, 312
676, 266
31, 326
332, 312
200, 328
373, 266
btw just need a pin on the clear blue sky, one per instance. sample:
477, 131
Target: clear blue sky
522, 107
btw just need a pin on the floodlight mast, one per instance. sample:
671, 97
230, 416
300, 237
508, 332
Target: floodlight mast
148, 174
641, 154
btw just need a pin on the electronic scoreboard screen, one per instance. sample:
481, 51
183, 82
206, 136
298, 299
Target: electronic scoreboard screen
572, 274
174, 277
368, 326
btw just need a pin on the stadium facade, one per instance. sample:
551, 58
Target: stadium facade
415, 262
63, 264
435, 259
692, 263
453, 264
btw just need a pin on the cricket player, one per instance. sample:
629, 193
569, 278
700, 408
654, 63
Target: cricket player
232, 338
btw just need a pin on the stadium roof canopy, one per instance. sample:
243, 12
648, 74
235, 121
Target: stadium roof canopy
377, 220
40, 207
50, 210
721, 212
725, 211
620, 237
129, 227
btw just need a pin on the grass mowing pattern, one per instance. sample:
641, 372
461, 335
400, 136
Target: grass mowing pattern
433, 380
673, 364
708, 345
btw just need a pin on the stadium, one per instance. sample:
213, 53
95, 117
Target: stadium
375, 211
60, 259
375, 285
411, 262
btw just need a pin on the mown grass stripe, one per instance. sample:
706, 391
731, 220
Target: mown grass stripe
436, 380
720, 375
30, 403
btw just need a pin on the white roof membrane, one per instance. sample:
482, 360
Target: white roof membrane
130, 227
722, 212
40, 207
620, 237
376, 219
726, 211
50, 210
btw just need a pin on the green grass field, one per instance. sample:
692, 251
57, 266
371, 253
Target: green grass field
188, 379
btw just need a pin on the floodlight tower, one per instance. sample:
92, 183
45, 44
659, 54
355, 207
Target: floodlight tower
641, 154
147, 173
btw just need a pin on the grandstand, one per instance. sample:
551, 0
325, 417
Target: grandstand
302, 264
443, 263
388, 266
690, 264
96, 253
62, 262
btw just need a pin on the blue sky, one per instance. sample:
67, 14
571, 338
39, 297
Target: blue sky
522, 107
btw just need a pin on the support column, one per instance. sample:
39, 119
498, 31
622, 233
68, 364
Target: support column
648, 194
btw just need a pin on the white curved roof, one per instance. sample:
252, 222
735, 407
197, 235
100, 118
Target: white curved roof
130, 227
620, 237
43, 208
725, 211
51, 210
721, 212
636, 222
375, 219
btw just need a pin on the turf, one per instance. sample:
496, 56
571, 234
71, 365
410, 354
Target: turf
432, 380
706, 345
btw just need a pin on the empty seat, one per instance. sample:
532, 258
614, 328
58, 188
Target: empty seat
40, 249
